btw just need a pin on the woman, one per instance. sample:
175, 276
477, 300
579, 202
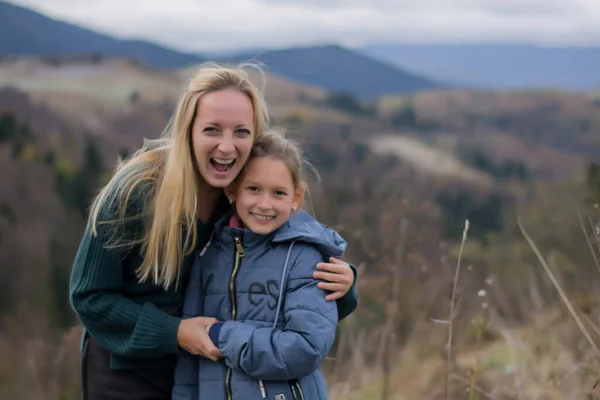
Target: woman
145, 227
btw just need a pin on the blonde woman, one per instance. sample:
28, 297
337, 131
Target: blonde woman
145, 228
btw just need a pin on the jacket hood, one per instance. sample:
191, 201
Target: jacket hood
303, 227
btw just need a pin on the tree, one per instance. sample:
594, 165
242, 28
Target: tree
593, 181
405, 117
134, 97
345, 102
8, 127
77, 187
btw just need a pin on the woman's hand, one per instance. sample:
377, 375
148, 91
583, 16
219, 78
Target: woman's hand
338, 277
192, 336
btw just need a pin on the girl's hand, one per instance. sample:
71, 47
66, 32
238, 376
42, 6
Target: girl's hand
192, 336
338, 277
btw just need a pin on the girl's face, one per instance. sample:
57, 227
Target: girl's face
222, 135
265, 196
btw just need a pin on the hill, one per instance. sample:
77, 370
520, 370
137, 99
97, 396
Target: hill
452, 126
549, 134
64, 124
339, 69
332, 68
498, 66
95, 92
26, 32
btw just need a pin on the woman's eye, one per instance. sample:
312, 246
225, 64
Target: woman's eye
210, 129
243, 132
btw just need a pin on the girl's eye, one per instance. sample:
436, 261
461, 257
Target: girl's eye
280, 193
252, 188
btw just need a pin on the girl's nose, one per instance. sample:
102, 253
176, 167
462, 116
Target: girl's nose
264, 203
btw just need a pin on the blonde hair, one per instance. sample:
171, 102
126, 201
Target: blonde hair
169, 208
274, 144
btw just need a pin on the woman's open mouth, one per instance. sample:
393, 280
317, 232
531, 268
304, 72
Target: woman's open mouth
222, 164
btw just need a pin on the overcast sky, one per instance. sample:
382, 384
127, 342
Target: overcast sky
207, 25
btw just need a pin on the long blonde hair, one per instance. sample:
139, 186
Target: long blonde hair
165, 171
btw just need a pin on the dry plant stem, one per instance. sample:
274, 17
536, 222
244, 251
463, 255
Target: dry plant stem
480, 390
478, 323
596, 236
452, 301
592, 324
388, 329
513, 359
562, 294
588, 240
574, 369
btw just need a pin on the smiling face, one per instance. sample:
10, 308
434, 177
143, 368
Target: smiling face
265, 195
222, 135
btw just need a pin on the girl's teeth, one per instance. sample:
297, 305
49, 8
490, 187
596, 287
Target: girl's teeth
263, 217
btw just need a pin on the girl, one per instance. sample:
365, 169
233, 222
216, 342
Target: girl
144, 230
256, 275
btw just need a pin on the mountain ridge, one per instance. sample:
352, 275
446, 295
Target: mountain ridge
55, 37
336, 68
498, 66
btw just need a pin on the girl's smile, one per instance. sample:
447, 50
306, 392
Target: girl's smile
265, 196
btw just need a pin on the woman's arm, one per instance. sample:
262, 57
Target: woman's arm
120, 325
340, 279
297, 349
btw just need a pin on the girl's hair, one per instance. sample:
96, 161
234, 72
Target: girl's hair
163, 174
274, 144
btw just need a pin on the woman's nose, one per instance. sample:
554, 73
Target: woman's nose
226, 145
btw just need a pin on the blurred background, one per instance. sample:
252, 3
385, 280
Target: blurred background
417, 115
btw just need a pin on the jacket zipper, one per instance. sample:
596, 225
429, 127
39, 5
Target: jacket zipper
239, 253
297, 393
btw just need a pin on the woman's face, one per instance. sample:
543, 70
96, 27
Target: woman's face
222, 135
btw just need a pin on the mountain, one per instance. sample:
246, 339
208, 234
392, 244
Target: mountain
336, 68
26, 32
498, 66
231, 53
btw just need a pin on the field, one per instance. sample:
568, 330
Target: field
399, 177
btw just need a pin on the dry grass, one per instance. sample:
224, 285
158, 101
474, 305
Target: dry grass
37, 362
111, 83
427, 158
547, 357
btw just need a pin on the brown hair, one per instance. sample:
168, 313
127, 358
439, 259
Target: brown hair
274, 144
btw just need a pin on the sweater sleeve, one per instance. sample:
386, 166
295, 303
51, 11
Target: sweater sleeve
303, 342
348, 303
119, 324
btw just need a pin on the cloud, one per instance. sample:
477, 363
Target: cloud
510, 7
208, 25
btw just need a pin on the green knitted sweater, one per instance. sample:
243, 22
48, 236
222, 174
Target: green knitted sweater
137, 322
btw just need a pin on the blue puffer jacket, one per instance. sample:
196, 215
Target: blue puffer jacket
278, 327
